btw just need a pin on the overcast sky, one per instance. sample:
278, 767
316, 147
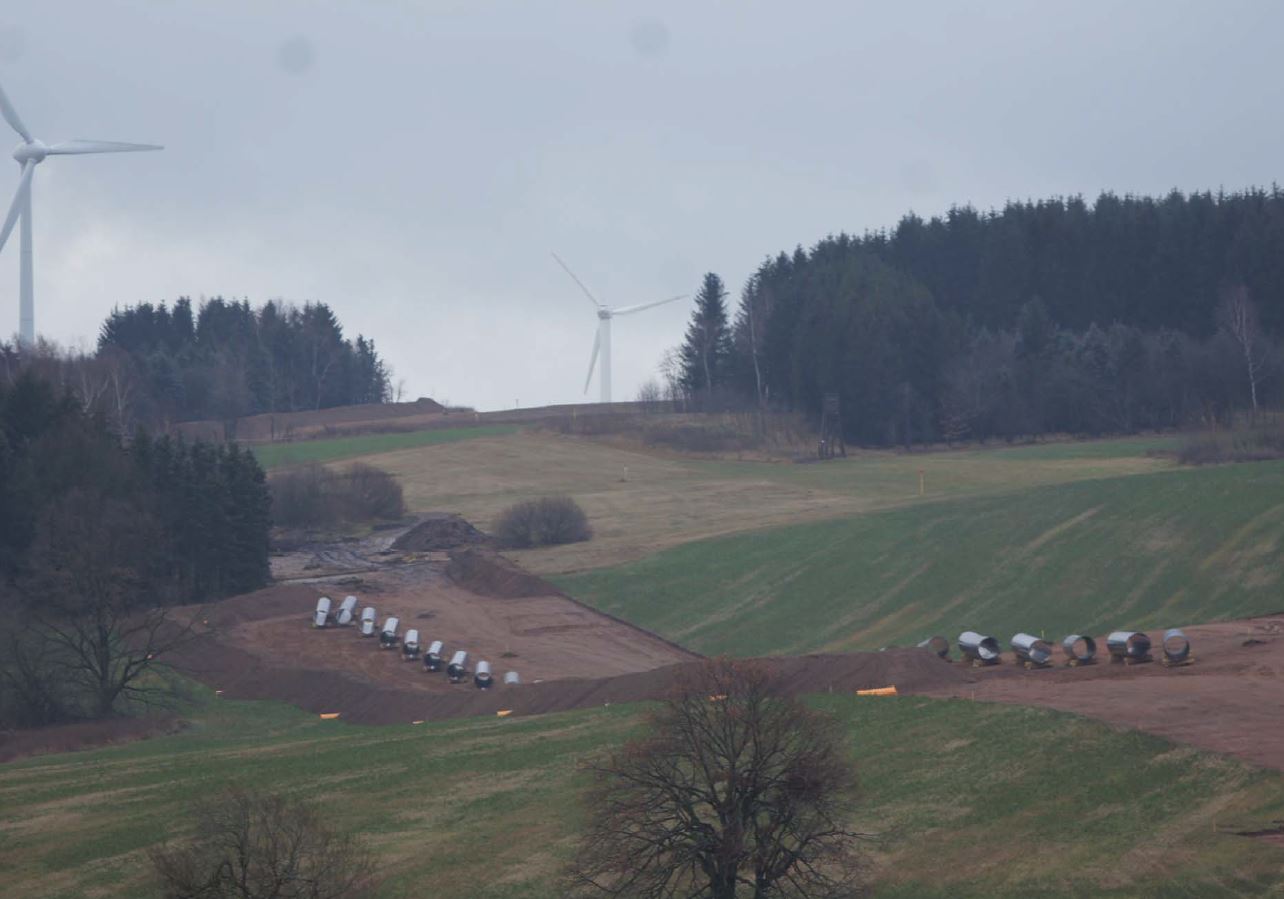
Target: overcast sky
414, 163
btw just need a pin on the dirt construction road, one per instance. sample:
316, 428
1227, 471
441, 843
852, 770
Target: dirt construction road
1230, 699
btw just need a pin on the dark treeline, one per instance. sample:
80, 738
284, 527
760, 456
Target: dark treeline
225, 360
1045, 317
98, 537
209, 503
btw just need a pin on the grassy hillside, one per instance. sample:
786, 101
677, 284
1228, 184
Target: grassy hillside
1171, 548
641, 502
968, 799
280, 455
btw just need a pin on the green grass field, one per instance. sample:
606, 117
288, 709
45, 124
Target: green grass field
281, 455
967, 800
1169, 548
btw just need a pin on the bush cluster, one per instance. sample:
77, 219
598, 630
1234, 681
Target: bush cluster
316, 496
1247, 445
547, 521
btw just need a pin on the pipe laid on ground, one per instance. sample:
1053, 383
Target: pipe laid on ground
979, 647
1029, 648
1176, 646
1128, 645
1079, 648
938, 645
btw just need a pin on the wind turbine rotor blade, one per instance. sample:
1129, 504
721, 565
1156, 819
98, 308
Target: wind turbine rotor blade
567, 269
11, 116
629, 310
79, 147
19, 202
597, 343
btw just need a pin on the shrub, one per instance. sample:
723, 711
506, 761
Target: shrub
542, 522
315, 496
1254, 444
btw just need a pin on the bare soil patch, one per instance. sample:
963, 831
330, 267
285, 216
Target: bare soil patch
1227, 700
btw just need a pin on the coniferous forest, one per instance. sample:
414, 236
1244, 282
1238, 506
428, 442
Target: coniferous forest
1056, 316
99, 539
225, 360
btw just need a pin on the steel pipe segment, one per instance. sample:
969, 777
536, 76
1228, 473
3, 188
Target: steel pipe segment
1176, 646
1029, 648
1128, 645
979, 647
938, 645
1079, 647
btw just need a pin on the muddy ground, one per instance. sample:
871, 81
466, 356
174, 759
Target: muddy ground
1228, 699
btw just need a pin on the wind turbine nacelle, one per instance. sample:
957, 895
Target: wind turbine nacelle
36, 150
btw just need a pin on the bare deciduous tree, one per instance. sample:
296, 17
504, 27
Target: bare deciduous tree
253, 846
1238, 317
94, 602
735, 792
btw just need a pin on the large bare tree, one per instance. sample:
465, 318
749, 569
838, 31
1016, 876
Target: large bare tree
96, 599
250, 845
735, 791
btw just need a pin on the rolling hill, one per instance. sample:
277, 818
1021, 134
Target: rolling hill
1167, 549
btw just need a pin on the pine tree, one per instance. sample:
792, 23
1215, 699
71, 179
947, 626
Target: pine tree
706, 352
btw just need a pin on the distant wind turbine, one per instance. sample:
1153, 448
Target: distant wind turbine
602, 342
29, 154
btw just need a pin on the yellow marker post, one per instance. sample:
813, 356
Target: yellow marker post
878, 691
921, 481
329, 716
503, 713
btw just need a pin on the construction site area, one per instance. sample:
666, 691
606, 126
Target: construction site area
1223, 697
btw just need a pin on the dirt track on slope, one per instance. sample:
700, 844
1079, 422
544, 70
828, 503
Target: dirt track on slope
261, 646
1230, 699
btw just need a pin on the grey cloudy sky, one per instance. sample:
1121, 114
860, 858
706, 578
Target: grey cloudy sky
413, 163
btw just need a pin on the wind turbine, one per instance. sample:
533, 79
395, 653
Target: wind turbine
602, 342
29, 154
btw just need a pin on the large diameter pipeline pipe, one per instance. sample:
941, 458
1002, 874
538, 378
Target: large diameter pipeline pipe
458, 666
432, 658
1079, 648
979, 647
347, 610
938, 645
1176, 646
1128, 645
482, 677
1029, 648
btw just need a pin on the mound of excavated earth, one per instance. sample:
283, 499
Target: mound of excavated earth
487, 573
440, 531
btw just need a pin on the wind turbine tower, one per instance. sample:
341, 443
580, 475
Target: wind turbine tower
602, 341
29, 154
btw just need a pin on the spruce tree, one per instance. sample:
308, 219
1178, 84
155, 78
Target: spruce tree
706, 351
